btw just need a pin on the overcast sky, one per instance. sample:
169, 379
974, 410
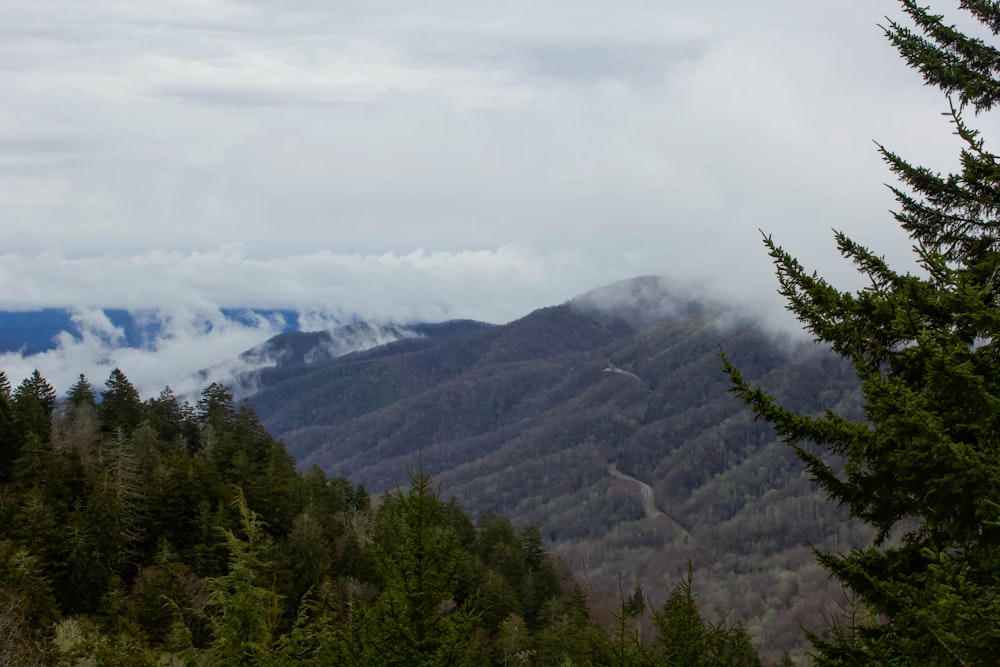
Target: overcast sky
424, 160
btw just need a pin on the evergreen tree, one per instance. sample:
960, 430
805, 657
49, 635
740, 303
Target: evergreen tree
77, 425
540, 583
215, 407
117, 504
173, 420
165, 415
681, 631
81, 393
568, 636
421, 616
247, 612
628, 647
8, 432
922, 467
34, 400
121, 409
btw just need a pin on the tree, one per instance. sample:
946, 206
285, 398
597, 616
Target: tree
33, 403
8, 430
922, 465
627, 643
244, 626
681, 631
81, 393
685, 638
422, 616
215, 407
121, 408
77, 425
166, 415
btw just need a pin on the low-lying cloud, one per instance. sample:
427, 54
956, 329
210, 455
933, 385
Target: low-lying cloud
186, 341
435, 159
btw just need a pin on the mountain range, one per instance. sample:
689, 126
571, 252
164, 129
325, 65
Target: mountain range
606, 422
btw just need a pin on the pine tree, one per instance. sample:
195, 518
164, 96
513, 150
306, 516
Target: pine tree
681, 630
164, 414
8, 431
215, 407
81, 393
4, 387
627, 643
34, 401
421, 616
247, 611
922, 466
121, 409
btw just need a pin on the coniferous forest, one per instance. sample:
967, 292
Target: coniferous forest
159, 533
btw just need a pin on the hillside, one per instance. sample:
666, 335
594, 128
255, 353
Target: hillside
289, 354
531, 420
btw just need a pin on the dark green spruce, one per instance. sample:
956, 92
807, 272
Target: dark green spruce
922, 466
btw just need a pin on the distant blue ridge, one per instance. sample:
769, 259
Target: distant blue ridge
35, 331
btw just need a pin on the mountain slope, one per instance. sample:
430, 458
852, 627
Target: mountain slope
293, 353
528, 418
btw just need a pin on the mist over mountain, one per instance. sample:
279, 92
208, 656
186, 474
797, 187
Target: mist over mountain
33, 331
559, 418
289, 353
605, 421
184, 348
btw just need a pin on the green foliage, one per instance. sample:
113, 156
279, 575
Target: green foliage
684, 638
20, 641
627, 644
426, 611
173, 420
215, 407
27, 588
8, 433
681, 632
732, 647
129, 546
921, 465
567, 636
244, 612
121, 408
33, 402
81, 393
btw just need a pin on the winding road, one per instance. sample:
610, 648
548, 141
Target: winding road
611, 368
648, 504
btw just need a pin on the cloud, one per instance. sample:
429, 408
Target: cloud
419, 285
186, 341
442, 158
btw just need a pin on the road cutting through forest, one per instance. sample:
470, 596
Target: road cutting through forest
648, 504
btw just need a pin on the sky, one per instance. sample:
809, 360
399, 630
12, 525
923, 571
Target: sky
430, 159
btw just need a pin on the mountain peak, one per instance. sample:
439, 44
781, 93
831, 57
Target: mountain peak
641, 300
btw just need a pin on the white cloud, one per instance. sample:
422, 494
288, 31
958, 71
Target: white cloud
441, 158
188, 341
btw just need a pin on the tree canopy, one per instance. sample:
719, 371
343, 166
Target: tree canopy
152, 532
922, 465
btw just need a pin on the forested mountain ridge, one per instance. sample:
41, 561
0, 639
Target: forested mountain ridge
159, 533
524, 420
286, 354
